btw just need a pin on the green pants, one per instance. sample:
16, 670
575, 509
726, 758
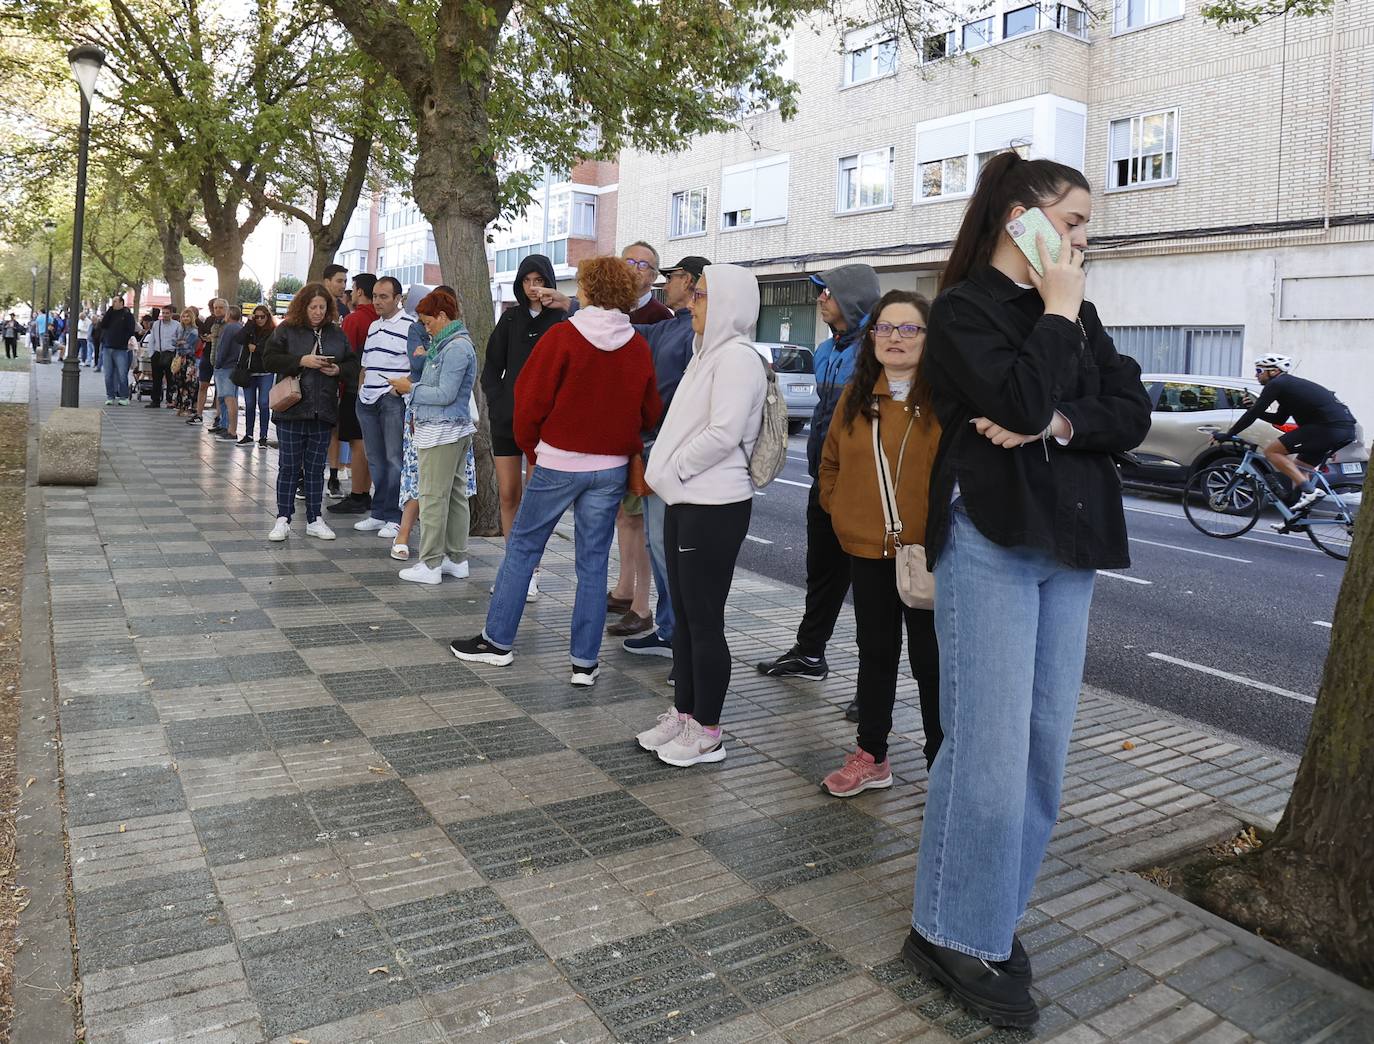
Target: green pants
444, 502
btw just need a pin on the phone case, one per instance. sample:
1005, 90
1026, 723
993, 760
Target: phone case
1023, 231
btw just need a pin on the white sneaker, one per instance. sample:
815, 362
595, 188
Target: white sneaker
320, 529
669, 725
420, 573
370, 525
532, 595
281, 530
389, 531
692, 746
1309, 498
457, 570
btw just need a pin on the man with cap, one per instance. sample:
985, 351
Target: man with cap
846, 295
670, 343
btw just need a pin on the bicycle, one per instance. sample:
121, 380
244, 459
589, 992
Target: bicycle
1225, 499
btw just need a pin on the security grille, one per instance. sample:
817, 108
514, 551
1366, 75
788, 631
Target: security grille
1217, 351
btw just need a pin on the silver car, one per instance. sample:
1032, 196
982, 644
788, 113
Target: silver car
1187, 408
796, 370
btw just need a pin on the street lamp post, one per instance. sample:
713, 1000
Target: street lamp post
33, 293
86, 61
45, 342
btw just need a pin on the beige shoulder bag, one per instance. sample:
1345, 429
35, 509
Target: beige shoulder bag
915, 583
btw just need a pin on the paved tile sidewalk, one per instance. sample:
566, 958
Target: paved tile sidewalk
293, 816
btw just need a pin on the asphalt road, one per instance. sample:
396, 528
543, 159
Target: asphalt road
1245, 623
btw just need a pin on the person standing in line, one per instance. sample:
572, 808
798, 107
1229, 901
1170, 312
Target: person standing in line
336, 282
847, 295
227, 351
83, 339
886, 391
182, 369
381, 409
355, 326
700, 467
581, 402
442, 438
159, 347
1025, 508
251, 341
508, 349
670, 343
210, 327
116, 330
308, 344
11, 330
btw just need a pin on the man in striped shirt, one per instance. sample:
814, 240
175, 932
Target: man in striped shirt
381, 412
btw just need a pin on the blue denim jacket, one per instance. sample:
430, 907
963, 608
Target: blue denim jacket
417, 337
445, 387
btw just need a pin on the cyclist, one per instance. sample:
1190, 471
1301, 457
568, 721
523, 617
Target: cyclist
1325, 424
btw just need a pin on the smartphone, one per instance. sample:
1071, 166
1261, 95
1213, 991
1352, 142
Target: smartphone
1023, 231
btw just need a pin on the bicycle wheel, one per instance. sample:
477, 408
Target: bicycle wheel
1222, 502
1331, 521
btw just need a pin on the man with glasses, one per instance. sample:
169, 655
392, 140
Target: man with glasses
1325, 424
846, 295
643, 261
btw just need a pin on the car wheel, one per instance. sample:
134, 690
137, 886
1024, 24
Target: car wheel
795, 427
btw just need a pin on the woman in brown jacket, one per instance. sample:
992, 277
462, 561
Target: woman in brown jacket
886, 388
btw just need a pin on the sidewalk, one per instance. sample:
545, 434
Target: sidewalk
293, 816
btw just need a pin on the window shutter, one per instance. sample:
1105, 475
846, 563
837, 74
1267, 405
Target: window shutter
1120, 140
737, 190
1069, 131
770, 192
997, 132
942, 143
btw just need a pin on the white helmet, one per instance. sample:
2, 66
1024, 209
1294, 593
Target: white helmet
1274, 362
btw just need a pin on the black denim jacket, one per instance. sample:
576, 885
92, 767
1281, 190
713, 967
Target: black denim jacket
992, 352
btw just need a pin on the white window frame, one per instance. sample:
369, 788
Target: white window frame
754, 166
1121, 11
870, 38
868, 157
684, 197
582, 202
1039, 20
969, 178
989, 38
1110, 184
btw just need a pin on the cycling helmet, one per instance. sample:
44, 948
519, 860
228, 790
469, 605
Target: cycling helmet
1274, 362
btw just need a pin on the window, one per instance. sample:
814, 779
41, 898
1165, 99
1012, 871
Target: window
1071, 20
754, 193
1022, 20
938, 45
866, 180
560, 214
1021, 150
1216, 350
1143, 150
977, 34
1189, 398
584, 215
687, 215
869, 54
944, 177
288, 242
1132, 14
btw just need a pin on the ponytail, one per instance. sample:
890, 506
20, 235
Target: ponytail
1005, 181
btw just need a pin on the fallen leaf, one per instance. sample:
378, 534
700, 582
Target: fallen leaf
378, 768
123, 827
421, 855
30, 781
380, 969
1128, 745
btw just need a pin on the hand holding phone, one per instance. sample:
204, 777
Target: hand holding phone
1027, 230
1056, 268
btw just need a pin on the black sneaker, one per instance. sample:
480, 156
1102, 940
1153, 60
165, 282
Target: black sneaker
1018, 965
792, 664
479, 650
986, 988
585, 676
648, 645
300, 490
214, 429
153, 406
353, 504
333, 488
247, 440
262, 442
226, 434
851, 713
196, 418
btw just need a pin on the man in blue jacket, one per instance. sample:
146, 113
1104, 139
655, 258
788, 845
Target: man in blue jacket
847, 295
670, 343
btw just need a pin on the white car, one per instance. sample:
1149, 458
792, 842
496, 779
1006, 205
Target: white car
796, 370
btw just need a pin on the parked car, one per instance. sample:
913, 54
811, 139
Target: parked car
1187, 408
796, 370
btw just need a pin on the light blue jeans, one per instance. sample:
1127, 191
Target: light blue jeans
654, 511
1013, 629
383, 424
116, 363
595, 498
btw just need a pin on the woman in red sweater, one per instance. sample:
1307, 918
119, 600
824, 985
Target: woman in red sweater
581, 401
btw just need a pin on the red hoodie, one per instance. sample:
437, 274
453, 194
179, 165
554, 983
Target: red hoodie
355, 325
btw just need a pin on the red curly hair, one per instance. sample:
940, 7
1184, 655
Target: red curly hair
296, 310
439, 301
607, 282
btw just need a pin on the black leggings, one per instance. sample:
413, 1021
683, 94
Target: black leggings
878, 617
701, 542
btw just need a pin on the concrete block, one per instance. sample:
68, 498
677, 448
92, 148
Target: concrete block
69, 448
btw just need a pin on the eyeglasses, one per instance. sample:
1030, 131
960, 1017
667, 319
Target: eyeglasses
905, 332
698, 295
643, 266
824, 295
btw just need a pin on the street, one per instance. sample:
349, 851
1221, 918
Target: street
1229, 633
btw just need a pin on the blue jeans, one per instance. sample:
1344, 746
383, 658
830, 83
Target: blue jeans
255, 400
1013, 628
595, 498
83, 350
383, 424
117, 362
654, 510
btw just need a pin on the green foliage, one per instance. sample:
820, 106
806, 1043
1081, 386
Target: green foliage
287, 284
1245, 14
250, 291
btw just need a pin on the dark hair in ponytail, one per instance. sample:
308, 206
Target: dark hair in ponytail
867, 368
1005, 181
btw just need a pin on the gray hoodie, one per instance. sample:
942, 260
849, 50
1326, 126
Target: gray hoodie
702, 452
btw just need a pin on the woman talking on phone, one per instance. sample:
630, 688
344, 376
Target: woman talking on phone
1025, 506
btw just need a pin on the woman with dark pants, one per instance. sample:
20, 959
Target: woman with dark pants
308, 344
258, 387
887, 390
1025, 507
700, 467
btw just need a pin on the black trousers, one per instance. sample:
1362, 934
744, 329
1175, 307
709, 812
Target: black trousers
827, 579
161, 376
879, 615
701, 542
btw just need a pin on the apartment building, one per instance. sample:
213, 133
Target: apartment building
1233, 174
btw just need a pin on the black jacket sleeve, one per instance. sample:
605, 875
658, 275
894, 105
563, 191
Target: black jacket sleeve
494, 366
277, 357
1266, 399
1116, 418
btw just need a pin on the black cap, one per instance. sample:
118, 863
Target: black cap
691, 263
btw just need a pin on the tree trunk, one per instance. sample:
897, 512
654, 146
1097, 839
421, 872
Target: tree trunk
226, 252
1311, 887
324, 247
171, 232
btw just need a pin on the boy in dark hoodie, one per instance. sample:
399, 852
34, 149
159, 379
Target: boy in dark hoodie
846, 295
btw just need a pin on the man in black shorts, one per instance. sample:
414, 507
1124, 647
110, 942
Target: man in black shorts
1325, 424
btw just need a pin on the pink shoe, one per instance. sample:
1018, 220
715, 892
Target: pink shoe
669, 725
858, 773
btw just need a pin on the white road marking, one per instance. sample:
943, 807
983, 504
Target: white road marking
1128, 579
757, 540
1264, 686
789, 482
799, 460
758, 494
1321, 623
1191, 551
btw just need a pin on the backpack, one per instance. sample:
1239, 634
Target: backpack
770, 451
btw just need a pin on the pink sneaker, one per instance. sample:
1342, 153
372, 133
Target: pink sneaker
669, 725
858, 773
692, 746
